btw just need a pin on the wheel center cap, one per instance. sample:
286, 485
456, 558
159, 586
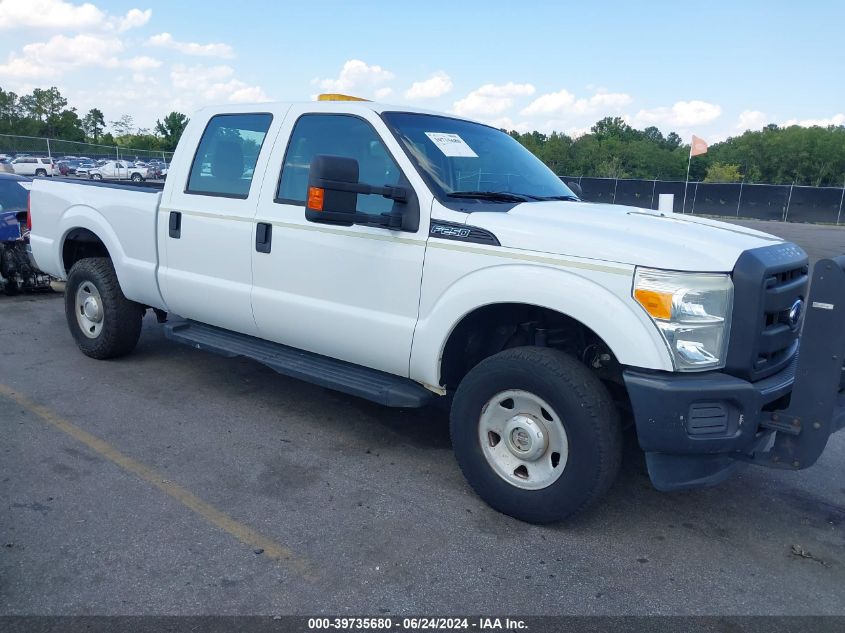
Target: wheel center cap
526, 437
91, 309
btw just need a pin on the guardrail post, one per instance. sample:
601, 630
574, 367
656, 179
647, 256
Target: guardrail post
694, 196
739, 201
653, 189
842, 197
615, 186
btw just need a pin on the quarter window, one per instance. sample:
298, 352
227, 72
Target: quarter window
337, 135
228, 151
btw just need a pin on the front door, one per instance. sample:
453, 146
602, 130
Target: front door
347, 292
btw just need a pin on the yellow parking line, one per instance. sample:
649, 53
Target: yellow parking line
241, 532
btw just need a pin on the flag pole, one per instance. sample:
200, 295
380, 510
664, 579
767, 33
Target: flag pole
686, 184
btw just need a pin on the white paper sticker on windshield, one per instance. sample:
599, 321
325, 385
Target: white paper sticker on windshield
451, 144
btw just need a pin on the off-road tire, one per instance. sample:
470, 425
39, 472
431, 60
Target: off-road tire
583, 405
121, 317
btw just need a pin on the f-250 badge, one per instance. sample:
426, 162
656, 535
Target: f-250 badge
449, 231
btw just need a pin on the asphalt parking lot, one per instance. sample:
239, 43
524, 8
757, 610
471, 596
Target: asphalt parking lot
178, 482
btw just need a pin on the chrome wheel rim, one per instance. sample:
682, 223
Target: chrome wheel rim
523, 439
89, 309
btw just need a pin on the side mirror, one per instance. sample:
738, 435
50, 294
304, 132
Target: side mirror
332, 195
576, 189
332, 190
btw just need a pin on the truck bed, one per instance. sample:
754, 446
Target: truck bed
123, 216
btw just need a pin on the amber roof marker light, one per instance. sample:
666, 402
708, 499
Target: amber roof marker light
334, 96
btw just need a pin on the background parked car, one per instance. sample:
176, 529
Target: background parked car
6, 166
84, 166
119, 170
34, 166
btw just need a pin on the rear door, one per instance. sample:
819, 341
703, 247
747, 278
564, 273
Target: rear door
206, 226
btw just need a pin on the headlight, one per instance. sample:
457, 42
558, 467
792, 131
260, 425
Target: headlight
692, 312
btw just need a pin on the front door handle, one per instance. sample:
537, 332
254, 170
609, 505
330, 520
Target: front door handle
263, 237
175, 224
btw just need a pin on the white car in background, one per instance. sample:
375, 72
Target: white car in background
119, 170
34, 166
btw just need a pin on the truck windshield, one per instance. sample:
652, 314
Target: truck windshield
461, 159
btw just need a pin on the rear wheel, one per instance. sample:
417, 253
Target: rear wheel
104, 323
40, 172
96, 177
137, 178
536, 434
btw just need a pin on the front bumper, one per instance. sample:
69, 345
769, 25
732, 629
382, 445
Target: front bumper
696, 429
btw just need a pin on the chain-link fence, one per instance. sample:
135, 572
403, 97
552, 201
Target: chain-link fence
786, 203
13, 146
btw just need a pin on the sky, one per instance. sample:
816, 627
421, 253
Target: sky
712, 68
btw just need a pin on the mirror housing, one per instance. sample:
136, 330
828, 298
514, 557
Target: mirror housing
576, 189
332, 196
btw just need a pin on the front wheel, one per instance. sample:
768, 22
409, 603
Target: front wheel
536, 434
95, 177
104, 323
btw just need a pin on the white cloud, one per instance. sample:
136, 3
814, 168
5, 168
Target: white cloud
213, 84
355, 75
133, 19
214, 49
383, 93
682, 114
564, 102
550, 103
491, 99
61, 15
61, 53
751, 120
437, 85
141, 63
836, 119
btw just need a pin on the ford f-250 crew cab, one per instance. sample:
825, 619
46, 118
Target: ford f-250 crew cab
404, 256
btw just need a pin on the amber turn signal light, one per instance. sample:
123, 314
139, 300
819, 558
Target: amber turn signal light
315, 198
657, 304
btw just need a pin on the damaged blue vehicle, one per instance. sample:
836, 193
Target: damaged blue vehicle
17, 269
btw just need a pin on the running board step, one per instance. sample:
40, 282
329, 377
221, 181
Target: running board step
371, 384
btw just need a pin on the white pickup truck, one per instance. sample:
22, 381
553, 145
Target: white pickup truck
119, 170
406, 256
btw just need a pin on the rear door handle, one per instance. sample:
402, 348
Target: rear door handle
263, 237
175, 224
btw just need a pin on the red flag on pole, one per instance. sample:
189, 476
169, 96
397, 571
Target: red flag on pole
699, 146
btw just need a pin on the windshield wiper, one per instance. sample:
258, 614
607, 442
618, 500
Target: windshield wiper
566, 198
494, 196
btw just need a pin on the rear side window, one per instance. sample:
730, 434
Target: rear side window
337, 135
228, 150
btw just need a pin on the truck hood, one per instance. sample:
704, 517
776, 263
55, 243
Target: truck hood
617, 233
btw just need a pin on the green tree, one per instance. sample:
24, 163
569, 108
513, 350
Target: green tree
94, 124
171, 128
721, 172
124, 125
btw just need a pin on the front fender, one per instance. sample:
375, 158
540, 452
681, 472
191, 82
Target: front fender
601, 303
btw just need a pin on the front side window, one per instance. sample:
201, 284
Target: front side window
462, 157
227, 153
337, 135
